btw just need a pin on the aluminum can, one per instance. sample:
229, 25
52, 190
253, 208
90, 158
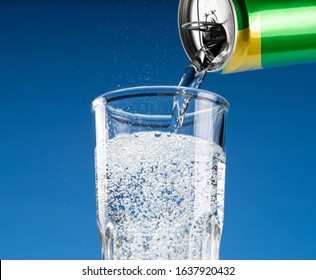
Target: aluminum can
260, 33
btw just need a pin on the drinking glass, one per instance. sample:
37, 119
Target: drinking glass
160, 195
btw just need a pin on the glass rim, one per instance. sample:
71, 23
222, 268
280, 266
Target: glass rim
161, 90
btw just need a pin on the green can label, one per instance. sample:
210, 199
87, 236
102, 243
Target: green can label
273, 33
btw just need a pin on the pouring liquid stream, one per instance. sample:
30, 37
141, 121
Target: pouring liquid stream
195, 73
191, 78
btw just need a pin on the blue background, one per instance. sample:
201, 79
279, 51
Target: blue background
57, 56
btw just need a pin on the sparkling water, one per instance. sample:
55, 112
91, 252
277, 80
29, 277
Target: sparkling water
160, 196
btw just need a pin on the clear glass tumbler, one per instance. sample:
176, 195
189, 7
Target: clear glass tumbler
160, 195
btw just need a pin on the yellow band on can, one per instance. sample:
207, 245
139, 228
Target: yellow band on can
247, 54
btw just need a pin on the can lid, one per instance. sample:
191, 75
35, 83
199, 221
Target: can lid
196, 18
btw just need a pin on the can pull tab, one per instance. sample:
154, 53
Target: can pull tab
208, 28
213, 39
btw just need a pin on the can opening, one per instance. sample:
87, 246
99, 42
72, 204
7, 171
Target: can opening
214, 41
207, 29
